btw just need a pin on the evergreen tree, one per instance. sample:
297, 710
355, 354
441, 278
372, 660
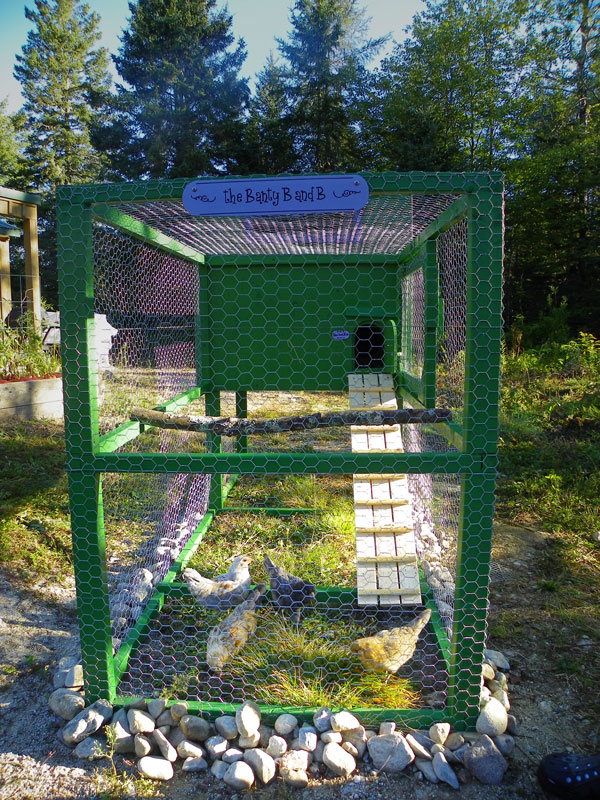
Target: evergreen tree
269, 134
182, 111
325, 53
11, 145
65, 83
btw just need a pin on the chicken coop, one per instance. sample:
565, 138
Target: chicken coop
303, 371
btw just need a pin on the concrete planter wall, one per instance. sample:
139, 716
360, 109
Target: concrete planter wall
33, 398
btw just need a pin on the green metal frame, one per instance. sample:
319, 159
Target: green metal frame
89, 454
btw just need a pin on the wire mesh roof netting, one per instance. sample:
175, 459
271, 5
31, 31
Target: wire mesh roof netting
387, 224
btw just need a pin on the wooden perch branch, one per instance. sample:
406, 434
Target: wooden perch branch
233, 426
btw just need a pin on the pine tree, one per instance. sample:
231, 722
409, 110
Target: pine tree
325, 52
11, 145
182, 111
65, 84
269, 137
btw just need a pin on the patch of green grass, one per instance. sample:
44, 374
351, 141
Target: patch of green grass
35, 537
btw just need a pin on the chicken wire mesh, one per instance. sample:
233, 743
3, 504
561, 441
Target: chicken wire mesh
376, 596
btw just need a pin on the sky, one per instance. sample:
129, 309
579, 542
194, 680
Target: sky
259, 22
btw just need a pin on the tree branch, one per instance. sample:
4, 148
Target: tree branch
233, 426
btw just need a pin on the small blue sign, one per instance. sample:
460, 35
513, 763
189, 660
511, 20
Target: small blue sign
339, 336
252, 197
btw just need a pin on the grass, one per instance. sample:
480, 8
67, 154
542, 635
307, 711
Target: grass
305, 667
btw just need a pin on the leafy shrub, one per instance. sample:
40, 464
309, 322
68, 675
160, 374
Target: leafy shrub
22, 354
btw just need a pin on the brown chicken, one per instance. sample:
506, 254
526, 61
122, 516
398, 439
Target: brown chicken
387, 651
228, 637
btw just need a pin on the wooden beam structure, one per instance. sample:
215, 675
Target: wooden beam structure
22, 206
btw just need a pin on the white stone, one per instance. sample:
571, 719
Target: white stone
390, 753
307, 739
74, 677
239, 775
122, 739
226, 726
219, 768
142, 745
492, 719
344, 721
295, 760
140, 721
247, 718
249, 741
386, 727
164, 745
67, 703
156, 707
262, 764
331, 736
357, 738
418, 749
158, 769
178, 710
322, 719
187, 749
194, 765
297, 778
498, 659
439, 732
277, 746
194, 728
232, 755
216, 746
444, 771
86, 722
426, 767
285, 724
338, 760
90, 749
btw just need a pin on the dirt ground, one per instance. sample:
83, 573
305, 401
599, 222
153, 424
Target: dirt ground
40, 627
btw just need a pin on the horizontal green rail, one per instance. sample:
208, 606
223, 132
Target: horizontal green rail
282, 463
111, 441
284, 511
288, 259
146, 233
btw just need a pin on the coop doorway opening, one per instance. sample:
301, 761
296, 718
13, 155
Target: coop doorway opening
369, 347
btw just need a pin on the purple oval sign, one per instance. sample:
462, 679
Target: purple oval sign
248, 197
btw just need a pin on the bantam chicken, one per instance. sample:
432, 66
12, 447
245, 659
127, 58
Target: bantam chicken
228, 637
224, 591
387, 651
289, 592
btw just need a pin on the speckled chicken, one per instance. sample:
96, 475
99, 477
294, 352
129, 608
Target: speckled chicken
387, 651
224, 591
288, 591
231, 634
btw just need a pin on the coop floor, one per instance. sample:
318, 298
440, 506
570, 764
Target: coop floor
284, 665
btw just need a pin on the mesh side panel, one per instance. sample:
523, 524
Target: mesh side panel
452, 261
146, 302
148, 520
386, 225
413, 322
290, 654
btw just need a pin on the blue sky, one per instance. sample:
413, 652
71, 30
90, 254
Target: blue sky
257, 21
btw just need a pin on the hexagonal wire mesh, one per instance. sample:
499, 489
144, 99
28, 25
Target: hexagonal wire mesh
268, 317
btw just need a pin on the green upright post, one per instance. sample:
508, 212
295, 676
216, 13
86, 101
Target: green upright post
213, 445
431, 296
241, 411
482, 367
76, 276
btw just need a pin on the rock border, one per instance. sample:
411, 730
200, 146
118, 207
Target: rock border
243, 751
